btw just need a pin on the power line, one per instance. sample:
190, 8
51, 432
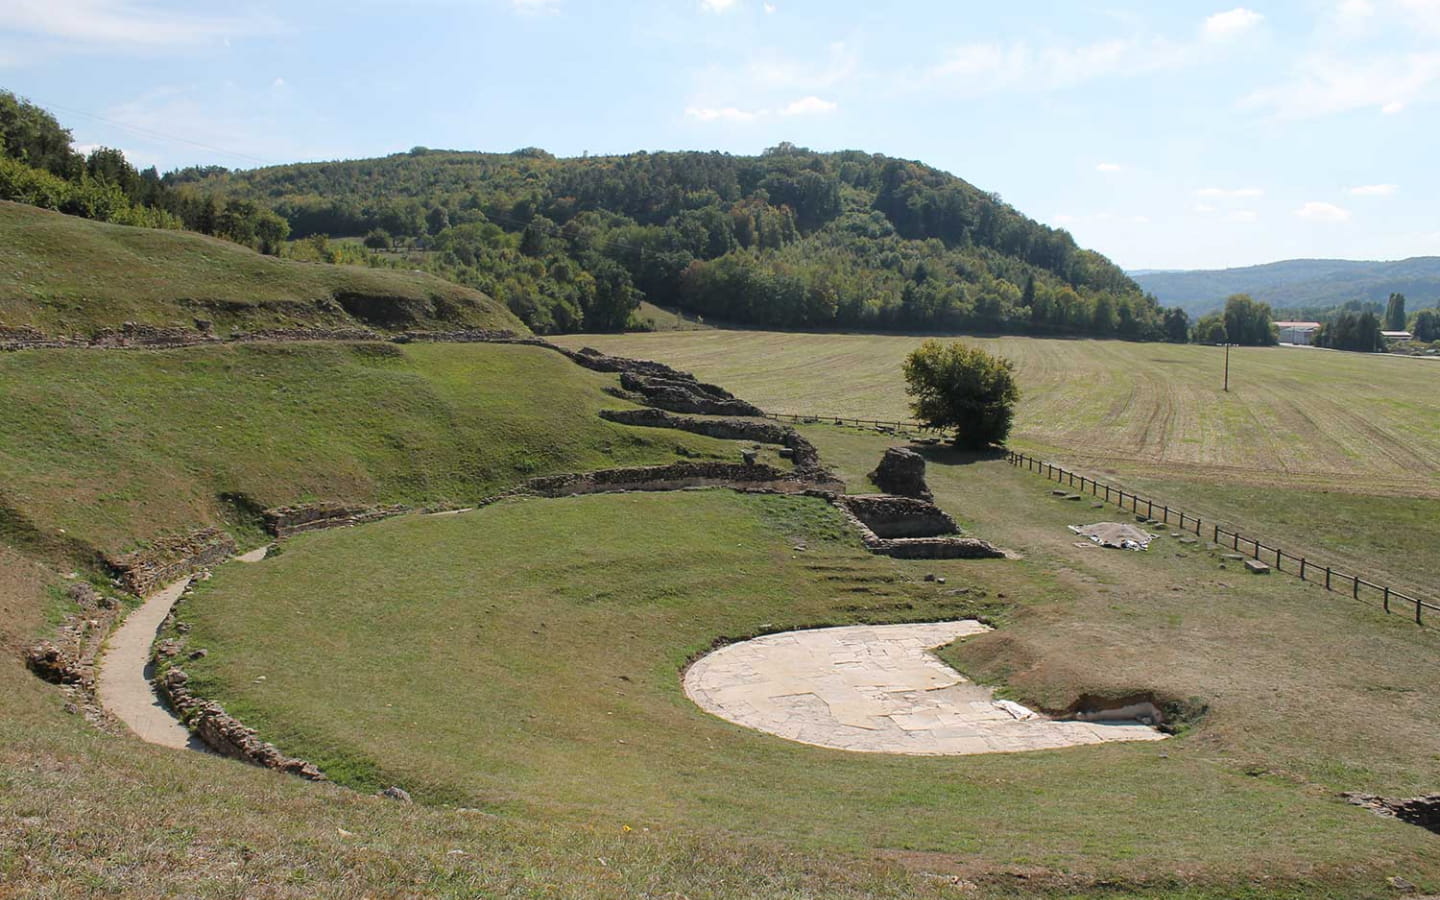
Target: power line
147, 132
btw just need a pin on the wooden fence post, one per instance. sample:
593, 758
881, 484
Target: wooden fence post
1387, 600
1302, 568
1355, 587
1327, 578
1417, 612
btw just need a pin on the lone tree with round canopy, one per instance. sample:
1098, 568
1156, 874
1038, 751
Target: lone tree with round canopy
965, 388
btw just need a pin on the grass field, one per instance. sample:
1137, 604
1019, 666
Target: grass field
1298, 418
116, 448
1332, 455
67, 275
525, 659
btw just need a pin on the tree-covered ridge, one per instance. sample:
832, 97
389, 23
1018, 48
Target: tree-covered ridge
790, 238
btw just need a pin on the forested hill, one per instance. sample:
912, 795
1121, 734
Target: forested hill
1299, 283
791, 238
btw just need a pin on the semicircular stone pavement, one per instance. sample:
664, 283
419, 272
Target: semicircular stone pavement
878, 689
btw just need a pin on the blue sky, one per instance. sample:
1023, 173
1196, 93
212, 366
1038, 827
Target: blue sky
1182, 135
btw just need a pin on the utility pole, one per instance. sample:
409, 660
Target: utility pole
1227, 367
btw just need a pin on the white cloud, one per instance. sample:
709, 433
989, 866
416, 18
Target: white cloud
717, 6
1326, 84
1206, 209
809, 106
1109, 167
769, 8
1226, 25
982, 68
773, 72
1373, 190
126, 23
805, 106
1230, 193
536, 7
721, 114
278, 83
1316, 211
1244, 215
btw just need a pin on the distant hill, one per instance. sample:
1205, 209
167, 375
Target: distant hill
66, 275
1298, 283
790, 238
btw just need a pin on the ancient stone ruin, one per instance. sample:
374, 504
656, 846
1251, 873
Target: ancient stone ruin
906, 528
902, 472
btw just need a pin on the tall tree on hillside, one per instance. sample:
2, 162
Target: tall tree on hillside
1395, 313
1177, 325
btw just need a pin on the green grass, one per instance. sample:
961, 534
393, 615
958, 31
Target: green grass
525, 659
116, 448
1292, 418
67, 275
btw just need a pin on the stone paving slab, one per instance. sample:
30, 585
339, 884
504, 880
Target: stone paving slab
878, 689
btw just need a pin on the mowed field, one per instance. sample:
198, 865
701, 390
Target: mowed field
525, 660
1293, 417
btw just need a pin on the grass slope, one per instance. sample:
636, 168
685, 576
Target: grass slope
1332, 454
525, 659
66, 275
118, 447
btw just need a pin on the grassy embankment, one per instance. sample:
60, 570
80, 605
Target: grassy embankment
525, 659
65, 275
116, 448
1336, 455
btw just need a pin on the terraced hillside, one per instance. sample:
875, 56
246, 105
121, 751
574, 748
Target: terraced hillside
1298, 418
108, 449
64, 275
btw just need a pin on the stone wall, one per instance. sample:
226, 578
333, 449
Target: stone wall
223, 733
951, 547
687, 396
170, 559
286, 521
802, 451
678, 476
900, 517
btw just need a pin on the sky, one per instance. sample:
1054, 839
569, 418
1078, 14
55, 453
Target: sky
1166, 136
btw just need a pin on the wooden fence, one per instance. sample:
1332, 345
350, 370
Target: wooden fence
880, 424
1301, 567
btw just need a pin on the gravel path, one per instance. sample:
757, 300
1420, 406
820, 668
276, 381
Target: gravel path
124, 685
878, 689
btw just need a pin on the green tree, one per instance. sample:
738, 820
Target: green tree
1211, 330
1426, 326
379, 239
965, 388
1177, 325
1395, 313
1247, 321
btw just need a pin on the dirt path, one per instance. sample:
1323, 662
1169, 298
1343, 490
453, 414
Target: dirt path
124, 684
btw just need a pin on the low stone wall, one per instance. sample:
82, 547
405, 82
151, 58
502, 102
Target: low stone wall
1422, 811
687, 396
69, 659
900, 517
912, 547
678, 476
171, 559
466, 336
286, 521
802, 451
225, 734
281, 335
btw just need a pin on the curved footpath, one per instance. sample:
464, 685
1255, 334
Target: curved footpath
123, 683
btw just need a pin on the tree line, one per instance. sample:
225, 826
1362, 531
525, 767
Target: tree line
38, 166
789, 238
